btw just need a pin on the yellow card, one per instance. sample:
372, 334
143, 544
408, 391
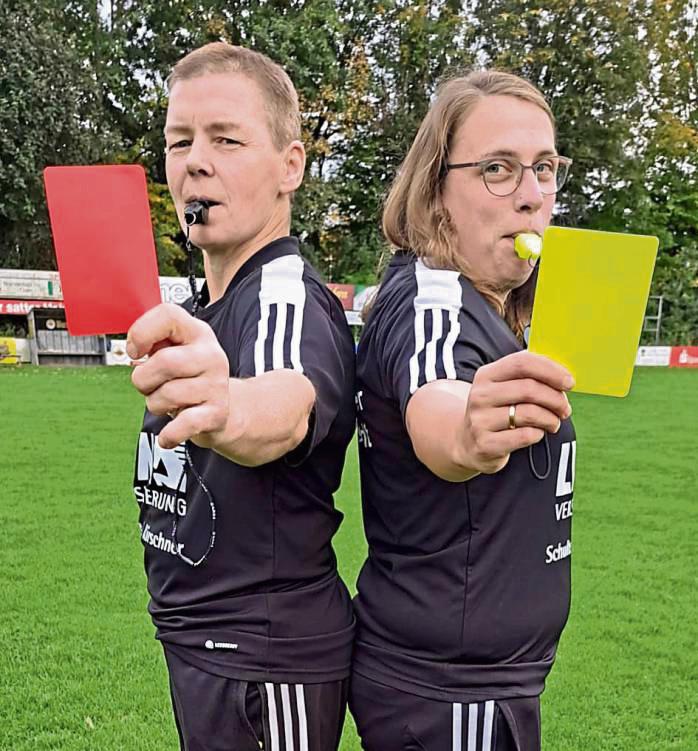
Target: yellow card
590, 302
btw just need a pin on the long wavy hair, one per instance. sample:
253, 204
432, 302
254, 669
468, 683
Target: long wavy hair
414, 216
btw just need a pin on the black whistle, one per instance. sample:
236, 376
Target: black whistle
196, 212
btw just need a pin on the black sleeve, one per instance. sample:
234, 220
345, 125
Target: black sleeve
430, 335
287, 323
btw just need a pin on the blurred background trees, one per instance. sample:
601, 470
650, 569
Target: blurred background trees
83, 82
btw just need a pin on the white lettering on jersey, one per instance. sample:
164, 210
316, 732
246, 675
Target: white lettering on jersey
555, 553
210, 644
565, 486
164, 467
563, 510
361, 430
159, 541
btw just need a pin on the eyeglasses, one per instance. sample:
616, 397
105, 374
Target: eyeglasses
502, 175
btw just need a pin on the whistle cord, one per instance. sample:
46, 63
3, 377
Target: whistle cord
212, 539
192, 274
187, 456
548, 460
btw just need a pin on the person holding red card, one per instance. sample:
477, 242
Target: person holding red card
249, 396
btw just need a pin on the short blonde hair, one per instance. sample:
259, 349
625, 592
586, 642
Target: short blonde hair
279, 93
414, 216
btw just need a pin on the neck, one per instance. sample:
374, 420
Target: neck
220, 268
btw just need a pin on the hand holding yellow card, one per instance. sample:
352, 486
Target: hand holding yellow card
590, 302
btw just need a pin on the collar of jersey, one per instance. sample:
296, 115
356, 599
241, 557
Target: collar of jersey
282, 246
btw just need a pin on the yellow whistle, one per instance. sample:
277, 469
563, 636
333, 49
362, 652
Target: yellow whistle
528, 246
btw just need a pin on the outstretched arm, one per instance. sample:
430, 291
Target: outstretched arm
187, 375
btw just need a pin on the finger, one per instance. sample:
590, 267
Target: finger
165, 322
179, 362
528, 365
174, 396
522, 391
493, 447
191, 423
526, 416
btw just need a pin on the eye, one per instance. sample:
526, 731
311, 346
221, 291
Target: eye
545, 169
225, 141
183, 144
498, 169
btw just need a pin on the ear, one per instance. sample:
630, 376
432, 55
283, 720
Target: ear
294, 167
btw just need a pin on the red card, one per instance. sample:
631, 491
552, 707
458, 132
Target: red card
103, 238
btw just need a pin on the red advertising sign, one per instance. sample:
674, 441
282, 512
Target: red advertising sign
684, 357
345, 293
22, 307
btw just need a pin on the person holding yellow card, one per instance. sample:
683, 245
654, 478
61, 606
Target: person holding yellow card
467, 451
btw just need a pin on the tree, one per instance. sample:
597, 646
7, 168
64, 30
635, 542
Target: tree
50, 114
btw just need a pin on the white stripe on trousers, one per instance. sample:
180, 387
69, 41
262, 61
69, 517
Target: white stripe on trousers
288, 723
302, 719
287, 709
273, 721
487, 727
457, 726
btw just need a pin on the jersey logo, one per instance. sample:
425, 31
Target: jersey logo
565, 469
162, 467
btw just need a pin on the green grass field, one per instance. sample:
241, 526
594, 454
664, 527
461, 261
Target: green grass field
79, 668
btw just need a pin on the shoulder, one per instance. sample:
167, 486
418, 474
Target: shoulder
411, 287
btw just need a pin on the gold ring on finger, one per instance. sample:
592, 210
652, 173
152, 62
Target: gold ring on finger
512, 417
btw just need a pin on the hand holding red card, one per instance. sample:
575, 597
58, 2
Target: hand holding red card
102, 233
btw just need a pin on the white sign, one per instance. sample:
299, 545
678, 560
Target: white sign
175, 289
41, 285
653, 356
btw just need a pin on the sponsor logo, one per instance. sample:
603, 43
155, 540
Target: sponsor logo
210, 644
563, 510
162, 467
555, 553
565, 469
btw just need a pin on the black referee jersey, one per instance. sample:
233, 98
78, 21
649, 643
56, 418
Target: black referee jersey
466, 588
267, 604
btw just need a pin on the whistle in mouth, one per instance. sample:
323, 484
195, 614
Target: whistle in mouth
196, 212
528, 246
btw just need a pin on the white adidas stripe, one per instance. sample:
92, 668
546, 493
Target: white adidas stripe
281, 285
273, 720
302, 718
472, 727
437, 290
288, 722
457, 726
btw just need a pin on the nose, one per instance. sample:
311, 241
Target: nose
198, 159
528, 194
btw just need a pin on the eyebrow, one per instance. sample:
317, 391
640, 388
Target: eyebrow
214, 127
514, 155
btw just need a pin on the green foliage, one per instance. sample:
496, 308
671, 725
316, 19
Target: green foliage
83, 82
50, 114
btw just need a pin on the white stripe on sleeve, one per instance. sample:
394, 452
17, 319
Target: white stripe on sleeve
418, 347
277, 356
436, 332
437, 290
453, 331
281, 285
262, 330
